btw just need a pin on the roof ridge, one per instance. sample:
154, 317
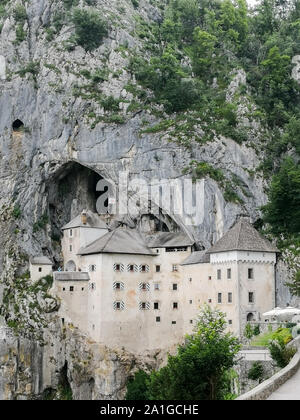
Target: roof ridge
109, 239
239, 233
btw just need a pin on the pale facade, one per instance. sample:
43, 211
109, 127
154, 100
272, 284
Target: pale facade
145, 294
39, 267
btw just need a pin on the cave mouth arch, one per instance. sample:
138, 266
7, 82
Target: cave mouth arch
70, 190
18, 125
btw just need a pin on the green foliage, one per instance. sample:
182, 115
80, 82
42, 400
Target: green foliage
70, 3
135, 3
256, 372
199, 370
90, 28
283, 209
256, 330
20, 14
17, 212
32, 67
137, 387
248, 332
294, 286
280, 353
41, 223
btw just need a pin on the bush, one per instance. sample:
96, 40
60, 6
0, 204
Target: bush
256, 330
256, 372
137, 386
280, 353
90, 28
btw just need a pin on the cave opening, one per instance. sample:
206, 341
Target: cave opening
71, 190
18, 126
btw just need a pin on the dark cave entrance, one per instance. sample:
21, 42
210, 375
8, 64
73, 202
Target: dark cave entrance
71, 190
18, 126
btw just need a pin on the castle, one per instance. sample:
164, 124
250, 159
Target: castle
132, 291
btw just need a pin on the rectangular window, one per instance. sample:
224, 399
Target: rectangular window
158, 319
173, 322
131, 267
191, 301
209, 277
71, 288
156, 306
219, 274
143, 268
82, 289
230, 321
175, 286
156, 286
118, 305
191, 321
40, 269
209, 300
250, 273
71, 232
174, 267
251, 297
143, 305
118, 285
219, 297
229, 273
157, 268
175, 305
229, 297
118, 267
64, 289
71, 248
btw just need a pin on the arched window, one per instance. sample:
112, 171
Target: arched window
250, 317
70, 266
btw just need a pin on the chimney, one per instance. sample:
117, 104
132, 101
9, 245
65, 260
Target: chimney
83, 217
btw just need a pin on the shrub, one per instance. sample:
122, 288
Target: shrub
256, 372
137, 386
280, 353
16, 212
256, 330
248, 332
90, 28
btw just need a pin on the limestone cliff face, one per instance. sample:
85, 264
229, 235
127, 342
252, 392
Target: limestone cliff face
60, 149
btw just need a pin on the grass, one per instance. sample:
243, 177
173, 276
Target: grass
263, 339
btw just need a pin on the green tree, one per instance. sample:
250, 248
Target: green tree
203, 53
283, 209
248, 333
294, 285
200, 369
256, 372
280, 353
90, 28
137, 386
